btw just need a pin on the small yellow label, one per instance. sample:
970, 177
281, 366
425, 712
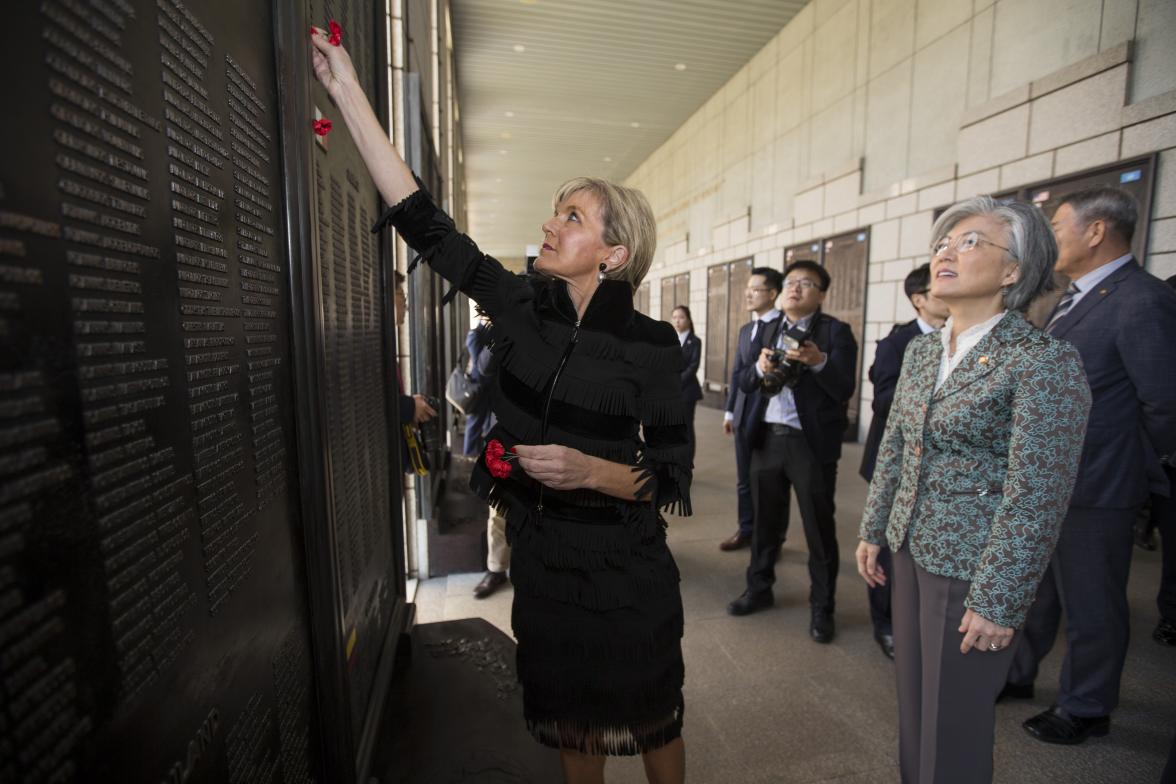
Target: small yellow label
351, 642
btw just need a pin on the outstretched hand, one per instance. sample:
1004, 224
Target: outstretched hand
332, 64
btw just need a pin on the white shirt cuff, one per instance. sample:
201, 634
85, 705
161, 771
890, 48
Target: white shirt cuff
728, 416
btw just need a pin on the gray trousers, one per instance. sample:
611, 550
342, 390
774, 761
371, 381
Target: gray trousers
946, 699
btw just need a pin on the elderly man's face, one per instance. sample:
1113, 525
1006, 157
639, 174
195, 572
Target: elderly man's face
1073, 241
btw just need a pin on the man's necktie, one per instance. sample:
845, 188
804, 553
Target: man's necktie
1063, 307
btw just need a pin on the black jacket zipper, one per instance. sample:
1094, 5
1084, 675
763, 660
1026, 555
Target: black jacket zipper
547, 405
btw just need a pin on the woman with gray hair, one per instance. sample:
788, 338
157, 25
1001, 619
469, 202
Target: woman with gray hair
973, 477
590, 444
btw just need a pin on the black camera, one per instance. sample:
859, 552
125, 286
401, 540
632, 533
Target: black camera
786, 373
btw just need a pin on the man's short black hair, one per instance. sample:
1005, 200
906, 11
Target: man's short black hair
772, 277
1115, 206
918, 281
813, 267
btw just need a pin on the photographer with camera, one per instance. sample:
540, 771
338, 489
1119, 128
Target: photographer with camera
805, 377
413, 410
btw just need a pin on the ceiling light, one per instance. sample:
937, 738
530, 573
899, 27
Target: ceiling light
509, 114
607, 159
502, 152
505, 134
680, 67
498, 179
634, 125
520, 48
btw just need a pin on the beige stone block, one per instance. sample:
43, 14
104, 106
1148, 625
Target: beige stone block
1162, 265
736, 130
845, 221
884, 241
927, 179
1163, 236
792, 79
937, 103
763, 192
903, 310
823, 228
807, 207
1082, 110
994, 141
888, 108
764, 61
875, 273
935, 18
880, 302
832, 132
860, 131
981, 183
861, 74
996, 105
892, 34
828, 9
738, 233
1118, 22
722, 235
980, 57
786, 161
842, 194
833, 63
1062, 32
763, 110
1164, 197
1088, 154
1081, 70
896, 270
937, 196
915, 235
1023, 172
872, 213
1154, 66
903, 205
1149, 108
1157, 134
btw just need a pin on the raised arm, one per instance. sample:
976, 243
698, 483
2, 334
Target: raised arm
333, 67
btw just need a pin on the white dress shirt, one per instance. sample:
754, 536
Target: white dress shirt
965, 341
924, 327
756, 325
782, 405
682, 337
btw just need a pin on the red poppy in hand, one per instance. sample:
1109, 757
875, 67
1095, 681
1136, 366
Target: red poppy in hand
497, 459
322, 127
336, 36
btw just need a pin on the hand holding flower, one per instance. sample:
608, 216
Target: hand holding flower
557, 467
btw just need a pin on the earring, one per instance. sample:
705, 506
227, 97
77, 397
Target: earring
600, 275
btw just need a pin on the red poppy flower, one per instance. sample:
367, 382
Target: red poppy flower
336, 36
497, 459
322, 127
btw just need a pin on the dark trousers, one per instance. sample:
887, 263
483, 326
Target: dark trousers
781, 462
743, 483
1087, 578
1164, 513
946, 699
879, 596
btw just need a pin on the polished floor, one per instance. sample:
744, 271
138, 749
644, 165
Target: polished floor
766, 704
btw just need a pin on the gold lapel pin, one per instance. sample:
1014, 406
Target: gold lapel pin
1102, 291
983, 360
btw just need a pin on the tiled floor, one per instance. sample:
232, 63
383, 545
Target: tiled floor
766, 704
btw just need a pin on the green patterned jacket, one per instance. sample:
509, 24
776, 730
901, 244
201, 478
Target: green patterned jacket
976, 478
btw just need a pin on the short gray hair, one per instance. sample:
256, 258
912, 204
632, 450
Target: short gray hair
628, 221
1115, 206
1030, 239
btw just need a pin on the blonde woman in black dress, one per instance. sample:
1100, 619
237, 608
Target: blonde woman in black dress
588, 397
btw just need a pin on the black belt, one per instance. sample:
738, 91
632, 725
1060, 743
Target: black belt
782, 430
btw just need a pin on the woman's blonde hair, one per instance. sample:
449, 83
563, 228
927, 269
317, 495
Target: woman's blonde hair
628, 221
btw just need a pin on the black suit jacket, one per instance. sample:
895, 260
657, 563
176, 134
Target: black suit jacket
821, 397
884, 376
1125, 330
747, 351
692, 356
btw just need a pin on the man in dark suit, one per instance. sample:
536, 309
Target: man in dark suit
1122, 321
930, 314
763, 289
794, 430
412, 409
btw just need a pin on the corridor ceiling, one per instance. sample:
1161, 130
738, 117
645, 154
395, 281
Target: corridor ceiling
553, 89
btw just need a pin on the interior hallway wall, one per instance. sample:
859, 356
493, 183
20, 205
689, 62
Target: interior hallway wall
874, 113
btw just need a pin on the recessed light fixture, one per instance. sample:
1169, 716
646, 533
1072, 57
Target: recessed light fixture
498, 179
502, 152
505, 134
680, 67
509, 114
634, 125
520, 48
607, 159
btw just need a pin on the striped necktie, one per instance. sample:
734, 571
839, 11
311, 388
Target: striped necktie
1063, 307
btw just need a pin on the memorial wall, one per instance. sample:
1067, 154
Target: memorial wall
199, 553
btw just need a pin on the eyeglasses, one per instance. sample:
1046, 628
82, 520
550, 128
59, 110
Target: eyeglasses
965, 243
799, 283
759, 288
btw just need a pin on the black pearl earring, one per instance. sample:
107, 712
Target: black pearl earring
600, 275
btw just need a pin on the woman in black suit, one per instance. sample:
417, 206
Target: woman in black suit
692, 354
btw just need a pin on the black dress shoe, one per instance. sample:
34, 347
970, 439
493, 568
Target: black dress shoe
748, 602
1165, 633
736, 542
1057, 726
490, 583
886, 643
821, 628
1015, 691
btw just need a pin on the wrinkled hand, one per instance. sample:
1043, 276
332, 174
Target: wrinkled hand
765, 363
422, 412
727, 427
557, 467
980, 633
808, 353
867, 564
332, 64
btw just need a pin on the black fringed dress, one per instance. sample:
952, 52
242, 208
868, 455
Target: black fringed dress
597, 611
